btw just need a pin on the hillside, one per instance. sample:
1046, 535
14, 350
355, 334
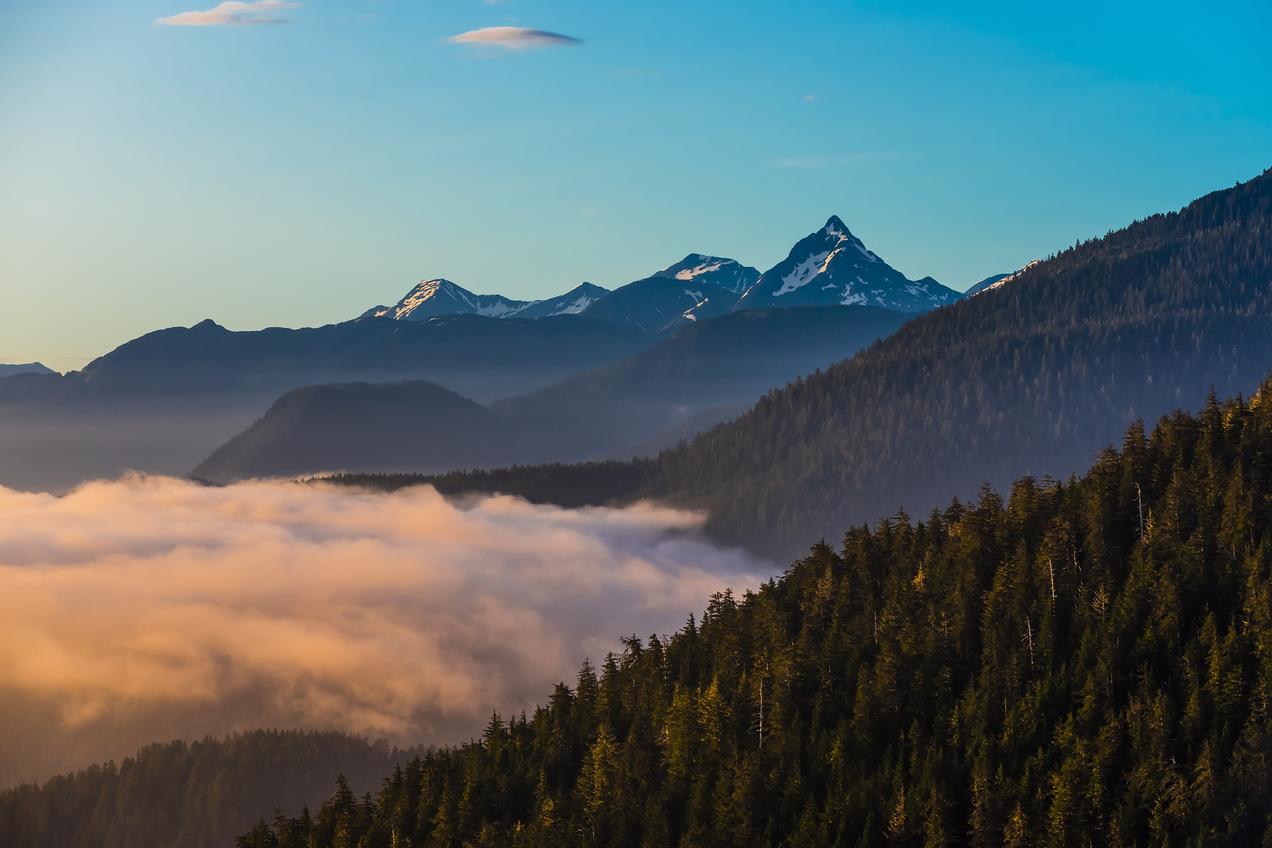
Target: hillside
361, 426
1086, 663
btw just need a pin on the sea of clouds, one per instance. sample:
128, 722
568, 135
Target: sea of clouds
152, 608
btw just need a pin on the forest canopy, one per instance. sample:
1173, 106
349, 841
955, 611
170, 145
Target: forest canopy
1086, 662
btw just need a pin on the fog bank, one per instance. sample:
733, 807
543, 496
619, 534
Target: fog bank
150, 608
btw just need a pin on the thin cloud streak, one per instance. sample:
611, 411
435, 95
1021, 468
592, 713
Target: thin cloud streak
515, 38
156, 608
232, 13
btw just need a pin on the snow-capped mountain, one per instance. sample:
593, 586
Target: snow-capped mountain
832, 266
998, 280
697, 287
572, 302
432, 298
716, 270
656, 304
829, 267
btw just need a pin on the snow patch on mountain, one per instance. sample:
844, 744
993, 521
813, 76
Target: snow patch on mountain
717, 270
1000, 280
804, 272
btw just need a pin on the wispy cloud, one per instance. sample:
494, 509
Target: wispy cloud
154, 607
232, 13
515, 38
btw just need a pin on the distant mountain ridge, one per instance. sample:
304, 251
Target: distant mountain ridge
830, 267
161, 402
436, 298
28, 368
683, 384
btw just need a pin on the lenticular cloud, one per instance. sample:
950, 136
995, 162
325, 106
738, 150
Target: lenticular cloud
152, 607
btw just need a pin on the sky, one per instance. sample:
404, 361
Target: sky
293, 163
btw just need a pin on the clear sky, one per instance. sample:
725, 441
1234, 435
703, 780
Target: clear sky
296, 172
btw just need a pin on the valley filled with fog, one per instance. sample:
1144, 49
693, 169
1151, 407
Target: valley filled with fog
154, 608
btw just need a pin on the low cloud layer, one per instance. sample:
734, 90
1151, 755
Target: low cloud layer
232, 13
515, 38
150, 608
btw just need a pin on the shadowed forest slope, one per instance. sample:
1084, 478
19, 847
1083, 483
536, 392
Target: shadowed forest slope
1086, 663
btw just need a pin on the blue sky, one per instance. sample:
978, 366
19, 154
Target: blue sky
299, 172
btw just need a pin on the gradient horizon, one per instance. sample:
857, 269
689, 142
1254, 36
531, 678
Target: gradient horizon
296, 174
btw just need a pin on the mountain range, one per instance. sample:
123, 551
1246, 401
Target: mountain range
830, 267
1035, 377
166, 400
684, 383
434, 298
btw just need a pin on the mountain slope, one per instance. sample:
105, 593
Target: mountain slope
716, 270
362, 427
433, 298
1086, 663
572, 302
832, 266
660, 304
723, 362
979, 287
999, 280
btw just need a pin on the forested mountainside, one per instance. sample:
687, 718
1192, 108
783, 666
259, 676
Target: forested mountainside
1031, 377
1086, 663
197, 795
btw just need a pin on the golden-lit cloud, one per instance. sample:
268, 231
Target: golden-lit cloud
232, 13
515, 38
155, 607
